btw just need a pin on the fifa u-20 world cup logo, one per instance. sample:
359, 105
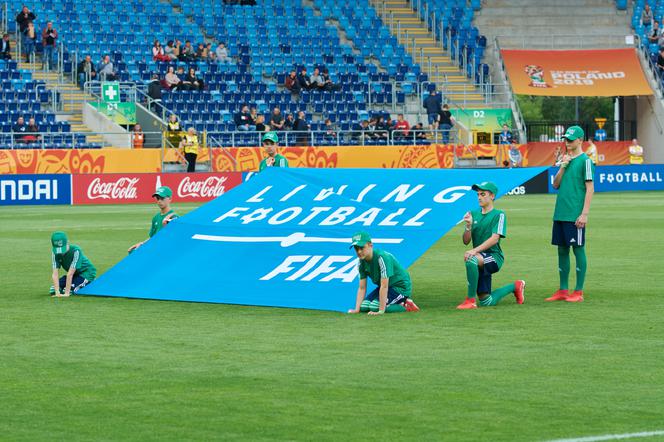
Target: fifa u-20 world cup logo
536, 74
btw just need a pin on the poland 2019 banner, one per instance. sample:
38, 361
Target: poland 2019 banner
282, 238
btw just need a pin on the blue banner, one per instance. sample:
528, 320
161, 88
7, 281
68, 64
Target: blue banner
282, 238
35, 189
623, 178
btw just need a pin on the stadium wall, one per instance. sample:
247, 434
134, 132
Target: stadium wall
433, 156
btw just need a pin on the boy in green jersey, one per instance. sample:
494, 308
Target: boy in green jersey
163, 197
574, 182
273, 159
485, 227
393, 290
70, 257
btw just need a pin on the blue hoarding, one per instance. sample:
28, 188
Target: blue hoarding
35, 189
623, 178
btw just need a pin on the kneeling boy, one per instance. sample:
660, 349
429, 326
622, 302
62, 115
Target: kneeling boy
393, 281
80, 271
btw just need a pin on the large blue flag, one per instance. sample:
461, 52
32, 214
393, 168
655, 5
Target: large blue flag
282, 238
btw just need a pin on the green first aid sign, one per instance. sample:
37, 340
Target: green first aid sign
110, 92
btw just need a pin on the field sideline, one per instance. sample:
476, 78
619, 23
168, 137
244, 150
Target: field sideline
90, 368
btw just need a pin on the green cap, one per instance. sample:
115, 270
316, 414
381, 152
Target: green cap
163, 191
271, 136
360, 239
486, 185
59, 242
574, 132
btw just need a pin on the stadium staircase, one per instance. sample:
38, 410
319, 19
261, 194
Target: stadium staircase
409, 28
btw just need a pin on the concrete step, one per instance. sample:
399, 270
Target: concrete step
540, 3
546, 10
532, 21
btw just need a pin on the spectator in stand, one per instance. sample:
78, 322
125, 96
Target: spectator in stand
222, 53
49, 43
106, 69
292, 83
317, 81
194, 82
647, 16
302, 127
137, 137
5, 48
329, 85
169, 51
19, 128
24, 17
188, 53
419, 132
432, 105
200, 52
253, 115
635, 153
402, 128
382, 129
361, 131
330, 131
154, 92
445, 122
172, 80
260, 124
86, 71
177, 48
660, 62
277, 120
174, 132
304, 80
289, 122
243, 120
655, 34
158, 52
32, 129
29, 41
209, 53
505, 136
514, 154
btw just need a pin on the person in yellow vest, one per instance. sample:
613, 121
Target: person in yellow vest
592, 151
174, 131
189, 145
137, 137
635, 153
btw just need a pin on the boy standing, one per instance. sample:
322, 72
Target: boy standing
273, 159
163, 197
393, 290
80, 271
574, 182
485, 227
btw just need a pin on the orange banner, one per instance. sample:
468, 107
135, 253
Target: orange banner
31, 161
582, 73
609, 153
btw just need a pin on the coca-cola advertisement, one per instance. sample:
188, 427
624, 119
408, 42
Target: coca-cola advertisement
138, 188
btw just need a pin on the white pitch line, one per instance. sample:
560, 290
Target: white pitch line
612, 437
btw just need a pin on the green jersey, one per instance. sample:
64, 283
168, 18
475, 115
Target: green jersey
385, 265
279, 161
487, 224
572, 190
75, 258
157, 222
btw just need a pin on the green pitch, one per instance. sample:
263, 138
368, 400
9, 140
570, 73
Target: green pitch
103, 368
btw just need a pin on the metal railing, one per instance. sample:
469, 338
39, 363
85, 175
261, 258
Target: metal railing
562, 41
71, 140
514, 104
4, 18
553, 131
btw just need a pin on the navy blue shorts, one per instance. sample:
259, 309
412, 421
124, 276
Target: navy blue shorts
392, 296
484, 281
565, 233
77, 283
432, 118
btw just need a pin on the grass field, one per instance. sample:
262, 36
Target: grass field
117, 369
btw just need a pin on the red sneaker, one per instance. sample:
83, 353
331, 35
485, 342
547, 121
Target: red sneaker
560, 295
468, 304
576, 296
519, 290
410, 305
